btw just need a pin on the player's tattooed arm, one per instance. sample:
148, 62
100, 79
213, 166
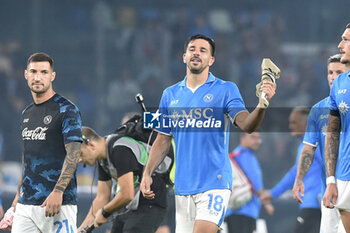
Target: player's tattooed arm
70, 164
305, 161
332, 144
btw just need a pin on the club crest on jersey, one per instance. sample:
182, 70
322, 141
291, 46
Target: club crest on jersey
343, 107
47, 119
208, 97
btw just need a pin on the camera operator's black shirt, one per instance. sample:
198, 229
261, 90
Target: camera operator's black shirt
124, 160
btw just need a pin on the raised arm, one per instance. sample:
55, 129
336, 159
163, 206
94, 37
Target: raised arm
159, 150
305, 161
249, 122
331, 157
54, 201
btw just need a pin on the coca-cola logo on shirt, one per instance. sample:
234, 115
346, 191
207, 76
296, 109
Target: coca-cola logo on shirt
35, 134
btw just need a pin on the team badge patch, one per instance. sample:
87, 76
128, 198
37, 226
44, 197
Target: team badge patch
208, 97
343, 107
47, 120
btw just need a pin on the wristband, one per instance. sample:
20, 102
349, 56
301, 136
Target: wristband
105, 214
330, 180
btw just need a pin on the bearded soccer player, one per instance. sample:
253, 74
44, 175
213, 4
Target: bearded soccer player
46, 199
203, 171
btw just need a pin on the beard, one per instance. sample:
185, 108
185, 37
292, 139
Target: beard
344, 59
196, 70
40, 90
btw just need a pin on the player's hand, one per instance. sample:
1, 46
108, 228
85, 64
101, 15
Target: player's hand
99, 219
298, 188
1, 212
84, 226
53, 203
266, 89
6, 222
269, 88
145, 187
270, 210
330, 196
265, 197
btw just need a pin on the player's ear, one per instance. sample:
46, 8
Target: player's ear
211, 61
53, 76
183, 58
25, 74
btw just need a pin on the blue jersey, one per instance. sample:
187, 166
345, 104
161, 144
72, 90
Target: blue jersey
200, 127
46, 128
339, 101
312, 182
316, 130
251, 167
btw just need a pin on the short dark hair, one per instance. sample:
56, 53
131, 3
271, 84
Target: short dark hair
337, 58
334, 58
204, 37
37, 57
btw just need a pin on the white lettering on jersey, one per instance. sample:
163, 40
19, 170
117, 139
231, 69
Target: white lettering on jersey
36, 134
25, 120
341, 91
174, 102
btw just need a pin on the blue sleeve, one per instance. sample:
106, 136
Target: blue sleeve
250, 166
332, 101
286, 183
163, 109
71, 124
234, 101
312, 135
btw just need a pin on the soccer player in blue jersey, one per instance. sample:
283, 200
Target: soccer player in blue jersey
243, 220
204, 104
309, 216
337, 149
315, 137
46, 200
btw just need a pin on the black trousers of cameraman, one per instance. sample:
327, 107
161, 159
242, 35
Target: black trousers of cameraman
146, 219
308, 221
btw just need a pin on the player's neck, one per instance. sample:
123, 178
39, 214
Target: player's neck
104, 148
42, 97
196, 80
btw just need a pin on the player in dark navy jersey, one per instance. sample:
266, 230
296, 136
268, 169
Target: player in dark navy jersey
52, 135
